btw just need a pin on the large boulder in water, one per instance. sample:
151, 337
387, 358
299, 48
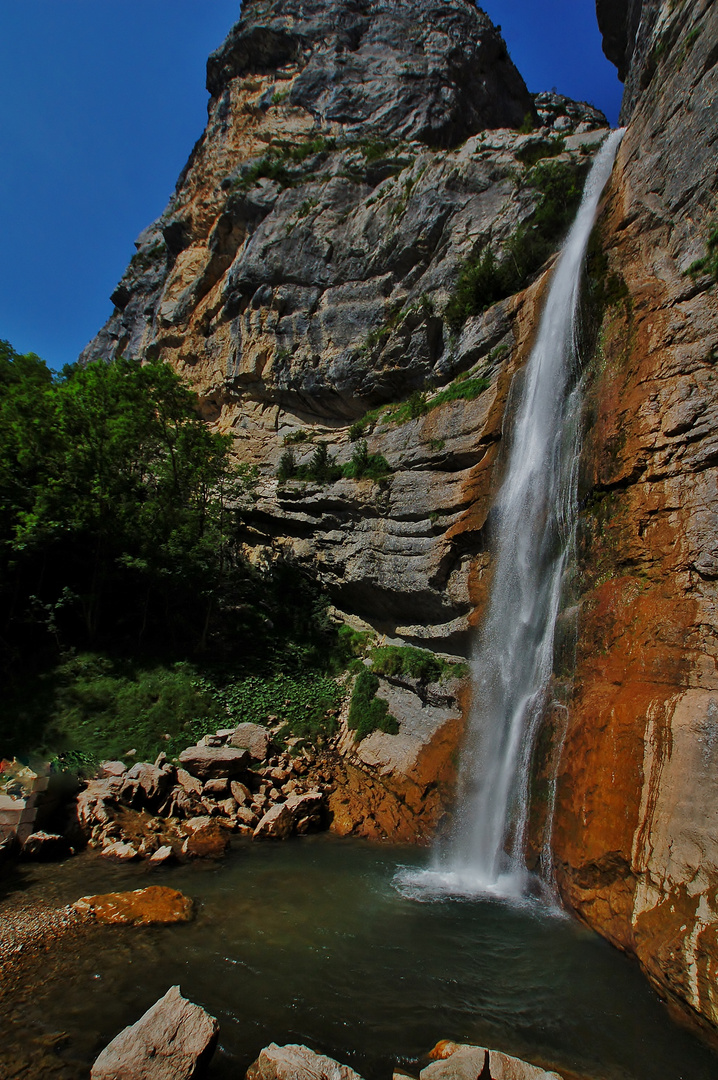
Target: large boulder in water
174, 1040
294, 1062
156, 904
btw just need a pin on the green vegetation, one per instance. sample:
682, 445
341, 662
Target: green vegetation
91, 707
415, 663
277, 163
115, 518
709, 263
533, 152
307, 703
376, 149
484, 279
364, 465
604, 290
127, 614
527, 125
367, 712
306, 208
323, 468
298, 436
464, 388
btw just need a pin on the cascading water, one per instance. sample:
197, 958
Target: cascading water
533, 522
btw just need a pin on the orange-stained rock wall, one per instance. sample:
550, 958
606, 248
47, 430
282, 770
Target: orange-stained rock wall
636, 825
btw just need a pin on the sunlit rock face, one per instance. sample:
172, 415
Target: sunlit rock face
636, 831
356, 153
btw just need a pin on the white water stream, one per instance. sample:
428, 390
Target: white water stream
533, 525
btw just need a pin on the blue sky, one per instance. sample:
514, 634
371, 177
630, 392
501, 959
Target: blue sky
101, 102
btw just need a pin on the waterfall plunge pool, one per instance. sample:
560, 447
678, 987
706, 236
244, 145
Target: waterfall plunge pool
311, 941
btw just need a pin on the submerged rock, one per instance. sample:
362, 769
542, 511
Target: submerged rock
174, 1040
156, 904
294, 1062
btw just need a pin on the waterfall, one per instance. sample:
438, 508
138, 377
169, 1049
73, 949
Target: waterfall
533, 522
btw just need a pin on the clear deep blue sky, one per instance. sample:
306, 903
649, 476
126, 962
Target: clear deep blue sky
101, 102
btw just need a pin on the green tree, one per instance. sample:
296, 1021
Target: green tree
116, 500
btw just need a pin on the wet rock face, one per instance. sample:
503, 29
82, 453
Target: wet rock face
433, 70
636, 831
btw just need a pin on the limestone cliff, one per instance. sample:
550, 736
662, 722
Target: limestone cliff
359, 155
636, 830
356, 155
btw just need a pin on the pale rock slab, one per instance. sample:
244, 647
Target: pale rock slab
294, 1062
172, 1041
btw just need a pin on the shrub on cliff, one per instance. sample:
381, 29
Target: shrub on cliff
485, 278
367, 712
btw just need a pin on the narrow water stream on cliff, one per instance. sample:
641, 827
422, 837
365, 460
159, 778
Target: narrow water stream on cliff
309, 941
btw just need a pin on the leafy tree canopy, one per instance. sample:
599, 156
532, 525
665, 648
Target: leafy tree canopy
118, 505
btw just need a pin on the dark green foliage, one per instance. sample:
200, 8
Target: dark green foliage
480, 284
287, 467
485, 279
282, 654
352, 644
604, 290
92, 707
366, 465
299, 436
367, 712
415, 663
322, 468
356, 430
464, 388
376, 149
533, 152
101, 708
527, 125
709, 263
114, 506
307, 703
277, 163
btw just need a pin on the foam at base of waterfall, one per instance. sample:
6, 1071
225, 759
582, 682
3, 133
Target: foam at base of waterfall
519, 888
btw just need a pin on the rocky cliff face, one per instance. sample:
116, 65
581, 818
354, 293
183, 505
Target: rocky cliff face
356, 156
636, 832
360, 157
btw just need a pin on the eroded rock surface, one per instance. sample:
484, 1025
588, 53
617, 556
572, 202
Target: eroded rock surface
300, 274
156, 904
294, 1062
636, 834
174, 1040
465, 1062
